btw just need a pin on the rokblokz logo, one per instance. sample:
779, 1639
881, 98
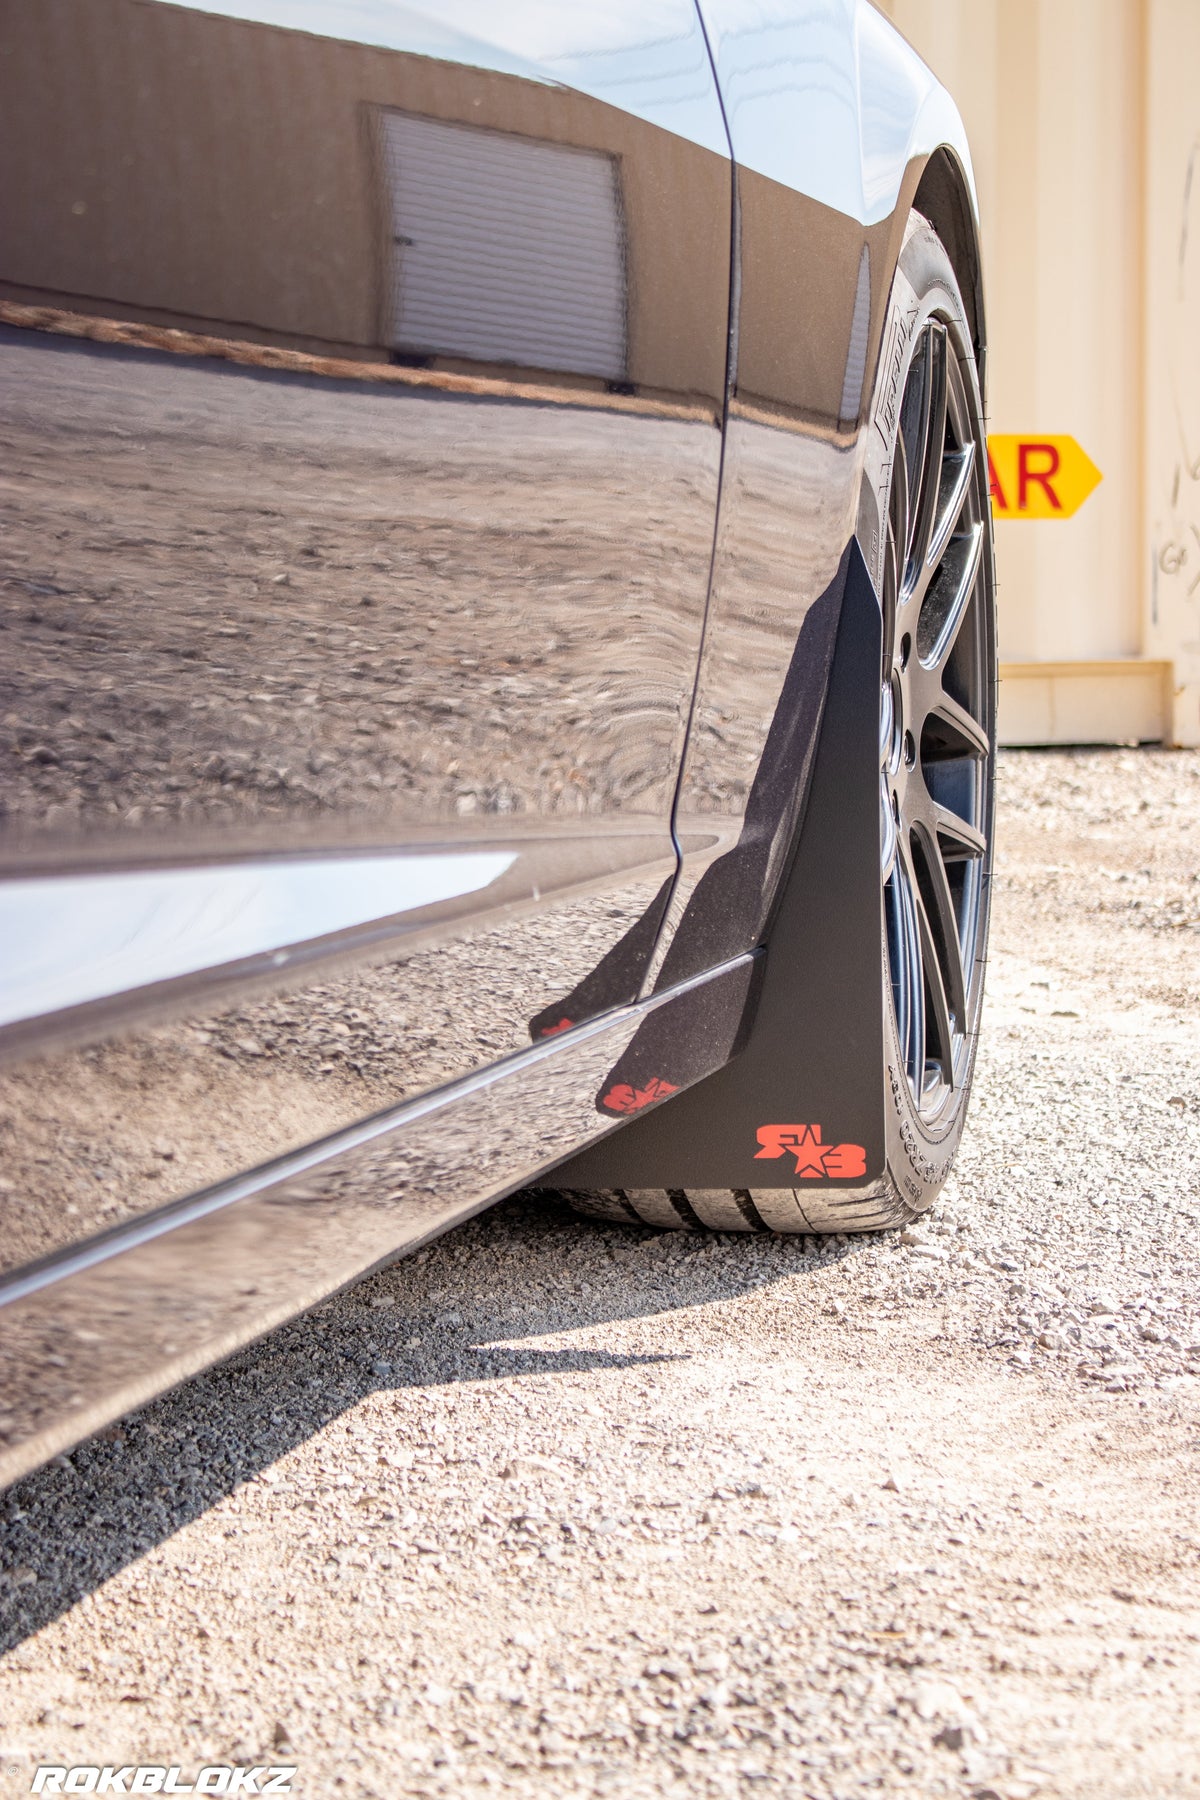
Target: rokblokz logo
815, 1161
627, 1099
154, 1778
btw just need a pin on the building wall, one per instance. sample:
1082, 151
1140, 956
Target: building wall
1172, 309
1082, 116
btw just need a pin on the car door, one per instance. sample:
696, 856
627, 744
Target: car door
365, 373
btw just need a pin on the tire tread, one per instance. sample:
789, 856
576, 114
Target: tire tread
815, 1212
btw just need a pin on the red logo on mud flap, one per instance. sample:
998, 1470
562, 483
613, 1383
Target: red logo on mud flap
815, 1161
626, 1099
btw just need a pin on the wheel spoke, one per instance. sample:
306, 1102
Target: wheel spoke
958, 841
950, 730
934, 991
957, 470
918, 1035
925, 450
887, 832
946, 602
887, 720
940, 915
908, 982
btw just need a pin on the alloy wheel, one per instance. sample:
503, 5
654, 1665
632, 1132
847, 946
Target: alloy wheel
935, 737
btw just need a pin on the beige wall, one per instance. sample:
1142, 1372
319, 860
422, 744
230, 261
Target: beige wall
1082, 115
1172, 306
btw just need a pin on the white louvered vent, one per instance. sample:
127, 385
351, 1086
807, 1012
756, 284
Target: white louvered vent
505, 249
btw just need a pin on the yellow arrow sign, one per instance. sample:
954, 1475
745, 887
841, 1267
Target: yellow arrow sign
1039, 477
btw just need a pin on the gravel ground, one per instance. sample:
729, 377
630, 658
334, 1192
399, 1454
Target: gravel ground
553, 1508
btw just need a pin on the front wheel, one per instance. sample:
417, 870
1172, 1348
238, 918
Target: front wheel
937, 724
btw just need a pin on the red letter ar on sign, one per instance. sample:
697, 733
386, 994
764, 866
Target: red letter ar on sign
1027, 473
1047, 477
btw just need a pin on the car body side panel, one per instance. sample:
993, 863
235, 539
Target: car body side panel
827, 98
364, 375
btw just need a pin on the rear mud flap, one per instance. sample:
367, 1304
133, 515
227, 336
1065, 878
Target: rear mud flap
802, 1103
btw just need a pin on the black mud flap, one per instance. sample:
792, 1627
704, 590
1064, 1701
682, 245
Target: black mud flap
802, 1103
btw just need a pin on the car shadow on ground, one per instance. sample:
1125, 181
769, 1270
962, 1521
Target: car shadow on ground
528, 1268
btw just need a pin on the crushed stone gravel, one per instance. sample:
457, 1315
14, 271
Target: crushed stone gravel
557, 1508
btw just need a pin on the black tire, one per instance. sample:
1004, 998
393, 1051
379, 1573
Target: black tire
925, 533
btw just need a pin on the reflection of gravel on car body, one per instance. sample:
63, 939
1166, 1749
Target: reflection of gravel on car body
264, 633
145, 1117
